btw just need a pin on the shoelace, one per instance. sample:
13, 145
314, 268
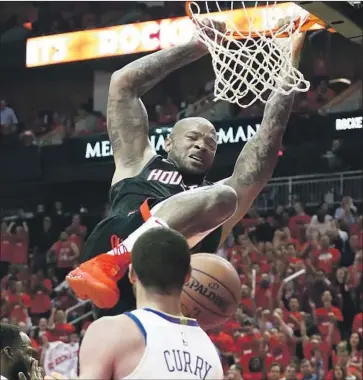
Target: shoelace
117, 246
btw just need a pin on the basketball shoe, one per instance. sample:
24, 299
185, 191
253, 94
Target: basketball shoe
96, 279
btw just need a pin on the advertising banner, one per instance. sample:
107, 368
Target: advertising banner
231, 135
142, 37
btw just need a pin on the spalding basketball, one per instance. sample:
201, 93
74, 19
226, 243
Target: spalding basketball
213, 292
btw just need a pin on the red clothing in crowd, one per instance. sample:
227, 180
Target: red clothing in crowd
358, 324
323, 348
18, 299
263, 297
296, 225
76, 239
247, 305
231, 326
323, 322
41, 303
64, 254
224, 342
62, 332
279, 352
355, 273
293, 319
20, 248
248, 342
19, 313
46, 283
252, 365
6, 246
327, 259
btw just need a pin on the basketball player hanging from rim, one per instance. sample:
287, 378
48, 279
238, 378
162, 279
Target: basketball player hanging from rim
148, 190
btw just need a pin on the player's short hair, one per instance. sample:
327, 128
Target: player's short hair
161, 260
10, 336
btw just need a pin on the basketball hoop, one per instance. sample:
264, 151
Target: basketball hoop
254, 56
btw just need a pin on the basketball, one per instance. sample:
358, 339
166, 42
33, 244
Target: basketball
213, 291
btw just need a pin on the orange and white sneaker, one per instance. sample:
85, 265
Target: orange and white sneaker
96, 279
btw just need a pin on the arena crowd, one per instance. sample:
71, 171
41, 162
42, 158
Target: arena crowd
308, 328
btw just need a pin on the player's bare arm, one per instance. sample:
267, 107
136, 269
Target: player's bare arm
257, 161
127, 120
110, 349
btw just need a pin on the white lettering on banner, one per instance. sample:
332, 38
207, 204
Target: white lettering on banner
349, 123
224, 136
99, 149
62, 358
232, 136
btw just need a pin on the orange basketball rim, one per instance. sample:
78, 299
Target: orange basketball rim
251, 22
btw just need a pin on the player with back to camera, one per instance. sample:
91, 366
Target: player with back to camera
17, 362
155, 341
148, 190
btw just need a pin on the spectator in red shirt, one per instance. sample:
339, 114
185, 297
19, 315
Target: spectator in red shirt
6, 245
358, 324
247, 302
298, 222
263, 294
316, 348
233, 324
250, 338
329, 314
224, 343
355, 360
20, 247
61, 330
41, 302
77, 231
293, 316
326, 258
65, 253
19, 313
252, 364
41, 330
19, 297
293, 256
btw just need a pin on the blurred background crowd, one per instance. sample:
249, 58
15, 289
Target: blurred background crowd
309, 328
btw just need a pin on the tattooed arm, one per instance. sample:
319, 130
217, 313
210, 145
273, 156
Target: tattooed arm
256, 162
127, 120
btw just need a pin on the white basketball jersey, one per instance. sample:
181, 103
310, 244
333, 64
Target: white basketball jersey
175, 348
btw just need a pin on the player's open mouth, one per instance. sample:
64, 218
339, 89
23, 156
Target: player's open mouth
196, 158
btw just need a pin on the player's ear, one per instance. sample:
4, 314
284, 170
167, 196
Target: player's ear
132, 274
189, 274
167, 144
8, 353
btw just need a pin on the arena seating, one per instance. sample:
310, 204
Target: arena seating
318, 314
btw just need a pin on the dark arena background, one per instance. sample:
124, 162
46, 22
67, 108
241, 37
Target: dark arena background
56, 165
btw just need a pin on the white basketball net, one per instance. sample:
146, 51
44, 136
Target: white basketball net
251, 68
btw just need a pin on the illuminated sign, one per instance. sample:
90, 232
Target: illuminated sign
140, 37
229, 135
349, 123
